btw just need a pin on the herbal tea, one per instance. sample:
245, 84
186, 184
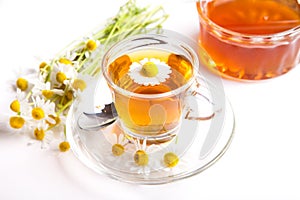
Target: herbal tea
252, 48
149, 113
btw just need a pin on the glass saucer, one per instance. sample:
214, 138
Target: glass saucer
205, 134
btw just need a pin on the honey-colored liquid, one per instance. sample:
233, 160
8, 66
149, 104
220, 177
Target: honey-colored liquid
251, 17
150, 115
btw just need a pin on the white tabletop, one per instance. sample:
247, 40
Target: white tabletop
261, 163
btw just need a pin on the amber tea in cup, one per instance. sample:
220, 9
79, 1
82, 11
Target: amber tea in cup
250, 39
149, 76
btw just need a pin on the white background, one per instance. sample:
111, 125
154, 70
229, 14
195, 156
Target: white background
261, 163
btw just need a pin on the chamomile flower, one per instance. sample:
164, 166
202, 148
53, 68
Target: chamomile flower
93, 58
118, 142
22, 109
170, 157
58, 127
91, 45
40, 130
24, 79
118, 147
84, 49
70, 57
16, 122
115, 147
63, 74
25, 83
19, 124
173, 160
22, 84
41, 134
43, 110
20, 104
149, 71
79, 84
64, 146
44, 70
142, 157
44, 89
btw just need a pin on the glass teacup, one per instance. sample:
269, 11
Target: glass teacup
149, 76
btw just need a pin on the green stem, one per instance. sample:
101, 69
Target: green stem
67, 105
124, 25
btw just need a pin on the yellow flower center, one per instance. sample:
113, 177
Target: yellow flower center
117, 149
64, 146
16, 122
55, 118
47, 93
149, 69
39, 134
37, 113
43, 65
171, 159
15, 106
79, 84
141, 158
60, 77
91, 45
69, 94
22, 84
65, 61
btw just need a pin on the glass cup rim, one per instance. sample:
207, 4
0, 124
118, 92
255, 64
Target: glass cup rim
255, 38
105, 63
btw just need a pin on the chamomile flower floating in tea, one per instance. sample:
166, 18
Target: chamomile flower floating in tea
149, 72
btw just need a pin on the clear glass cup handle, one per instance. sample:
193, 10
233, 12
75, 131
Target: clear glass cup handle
199, 103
